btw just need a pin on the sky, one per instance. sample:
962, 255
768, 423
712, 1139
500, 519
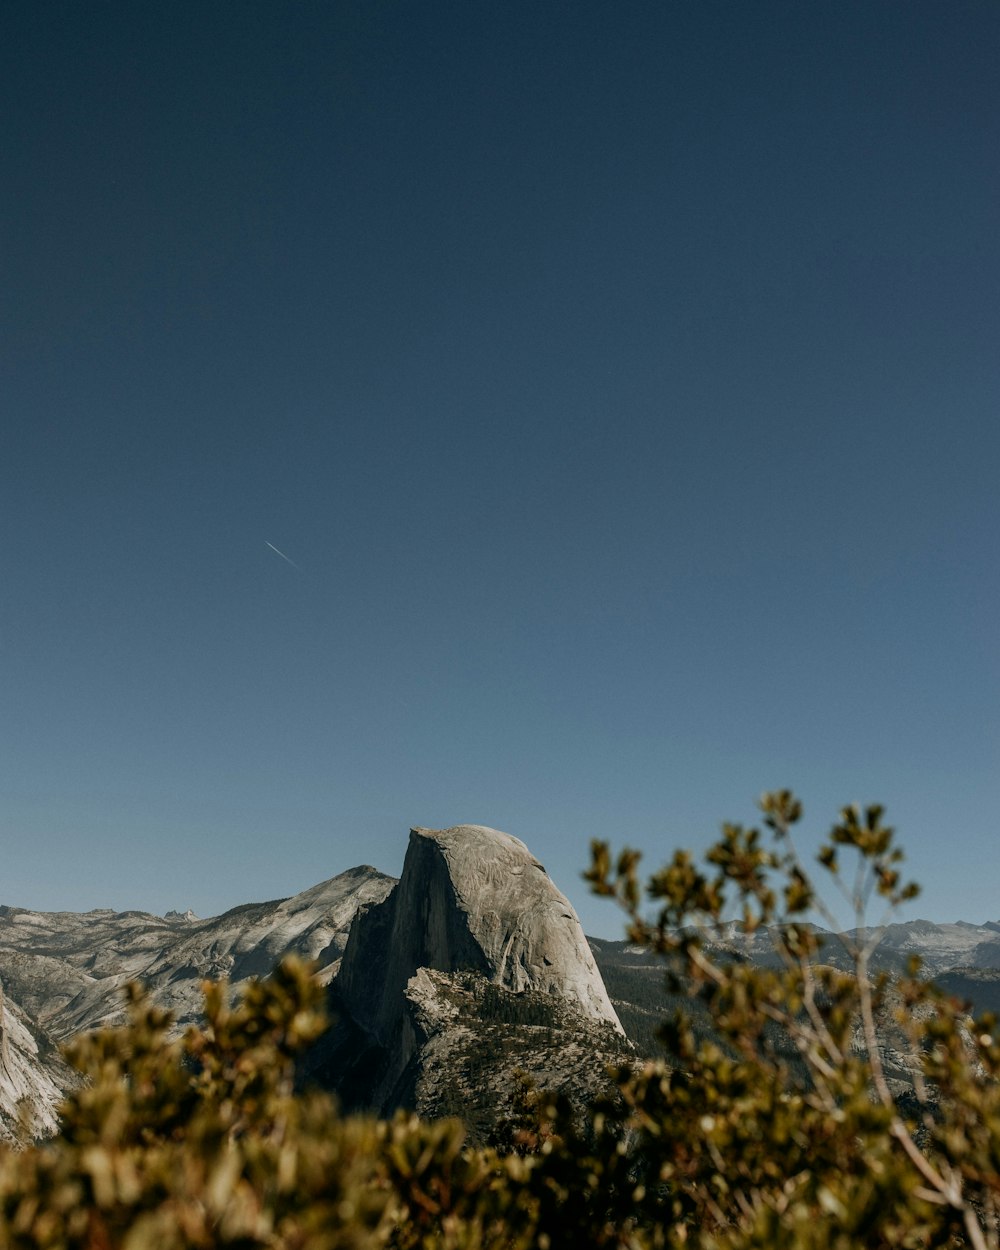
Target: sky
618, 385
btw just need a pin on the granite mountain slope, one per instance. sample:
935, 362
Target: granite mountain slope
33, 1076
64, 971
67, 969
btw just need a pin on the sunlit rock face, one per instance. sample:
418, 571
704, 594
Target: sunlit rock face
33, 1077
472, 902
471, 899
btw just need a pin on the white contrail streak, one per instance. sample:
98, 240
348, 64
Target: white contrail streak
281, 553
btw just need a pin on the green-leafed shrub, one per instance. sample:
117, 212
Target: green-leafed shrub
782, 1121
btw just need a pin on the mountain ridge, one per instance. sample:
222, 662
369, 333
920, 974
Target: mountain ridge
468, 967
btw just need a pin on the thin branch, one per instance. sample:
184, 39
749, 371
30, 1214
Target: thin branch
814, 1013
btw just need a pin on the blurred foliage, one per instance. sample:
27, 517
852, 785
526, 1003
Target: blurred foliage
782, 1129
777, 1127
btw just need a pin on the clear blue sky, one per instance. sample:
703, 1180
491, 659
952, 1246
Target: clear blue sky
622, 379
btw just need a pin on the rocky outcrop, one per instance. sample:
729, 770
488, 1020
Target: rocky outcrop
33, 1078
473, 909
476, 1041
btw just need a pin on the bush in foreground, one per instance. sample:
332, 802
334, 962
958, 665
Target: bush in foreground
783, 1129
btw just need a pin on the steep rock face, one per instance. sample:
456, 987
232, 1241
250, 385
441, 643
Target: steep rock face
471, 901
33, 1078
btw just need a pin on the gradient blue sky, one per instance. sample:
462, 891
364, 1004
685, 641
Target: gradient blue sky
623, 380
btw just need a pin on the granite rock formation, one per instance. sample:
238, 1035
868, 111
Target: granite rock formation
475, 931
